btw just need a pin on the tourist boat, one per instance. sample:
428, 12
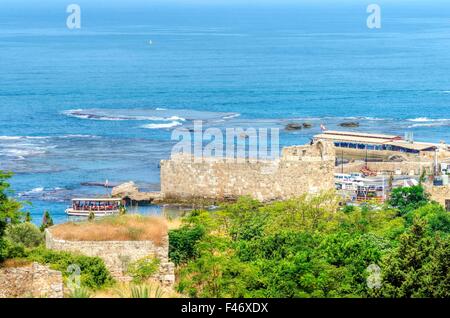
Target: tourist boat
99, 206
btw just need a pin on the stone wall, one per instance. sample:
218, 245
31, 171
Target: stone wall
118, 254
440, 194
34, 280
299, 170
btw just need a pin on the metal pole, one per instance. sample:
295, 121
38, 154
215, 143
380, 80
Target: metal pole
366, 158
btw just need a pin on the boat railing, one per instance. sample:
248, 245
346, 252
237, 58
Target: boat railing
95, 208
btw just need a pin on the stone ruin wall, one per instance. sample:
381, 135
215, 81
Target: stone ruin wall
299, 170
118, 254
33, 280
440, 194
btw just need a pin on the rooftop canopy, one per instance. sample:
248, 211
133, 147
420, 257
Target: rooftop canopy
356, 136
375, 139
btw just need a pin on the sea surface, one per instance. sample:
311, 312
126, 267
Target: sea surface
78, 107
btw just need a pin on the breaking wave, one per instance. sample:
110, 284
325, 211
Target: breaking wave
162, 126
426, 119
164, 118
47, 194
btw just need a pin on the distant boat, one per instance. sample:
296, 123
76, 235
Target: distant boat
98, 206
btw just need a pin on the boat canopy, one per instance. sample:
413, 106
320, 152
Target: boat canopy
98, 199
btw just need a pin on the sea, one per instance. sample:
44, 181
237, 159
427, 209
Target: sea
82, 106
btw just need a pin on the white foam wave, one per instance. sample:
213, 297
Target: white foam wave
160, 108
77, 136
231, 116
21, 153
373, 118
94, 115
10, 137
426, 119
22, 137
162, 126
434, 124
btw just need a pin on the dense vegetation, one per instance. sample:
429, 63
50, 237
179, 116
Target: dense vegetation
312, 247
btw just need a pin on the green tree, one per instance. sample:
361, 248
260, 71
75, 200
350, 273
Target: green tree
47, 221
407, 199
419, 266
182, 243
9, 208
9, 212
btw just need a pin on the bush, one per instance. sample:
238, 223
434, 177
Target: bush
3, 250
26, 233
145, 292
143, 268
94, 273
407, 199
182, 243
80, 293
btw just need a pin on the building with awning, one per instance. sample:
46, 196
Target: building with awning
375, 142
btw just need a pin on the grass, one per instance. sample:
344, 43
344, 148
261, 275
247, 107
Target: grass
148, 289
114, 228
15, 262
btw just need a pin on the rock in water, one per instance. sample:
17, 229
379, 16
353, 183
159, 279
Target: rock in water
349, 124
307, 125
293, 126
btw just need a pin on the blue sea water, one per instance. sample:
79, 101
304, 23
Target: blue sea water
83, 106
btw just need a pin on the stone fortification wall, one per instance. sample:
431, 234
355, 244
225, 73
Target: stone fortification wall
299, 170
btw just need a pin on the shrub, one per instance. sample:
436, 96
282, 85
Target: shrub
80, 292
145, 292
143, 268
14, 250
26, 233
182, 243
407, 199
3, 250
94, 273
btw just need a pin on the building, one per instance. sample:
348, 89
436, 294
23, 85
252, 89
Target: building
377, 144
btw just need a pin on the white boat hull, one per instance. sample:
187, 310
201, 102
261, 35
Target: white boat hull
72, 212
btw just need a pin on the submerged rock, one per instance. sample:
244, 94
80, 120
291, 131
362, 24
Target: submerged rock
293, 126
349, 124
307, 125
